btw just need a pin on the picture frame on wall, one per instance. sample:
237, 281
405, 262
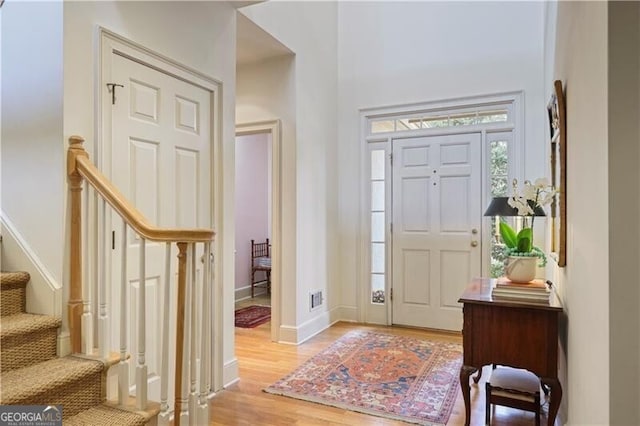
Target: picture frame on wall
556, 110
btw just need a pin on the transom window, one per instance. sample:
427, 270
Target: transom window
443, 118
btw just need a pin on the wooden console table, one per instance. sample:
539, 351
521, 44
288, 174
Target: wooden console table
511, 333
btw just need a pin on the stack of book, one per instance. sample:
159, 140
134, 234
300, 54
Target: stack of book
534, 291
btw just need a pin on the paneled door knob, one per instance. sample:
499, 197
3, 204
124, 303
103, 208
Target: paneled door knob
474, 244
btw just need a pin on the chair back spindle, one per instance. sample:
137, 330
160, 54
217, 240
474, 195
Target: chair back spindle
260, 261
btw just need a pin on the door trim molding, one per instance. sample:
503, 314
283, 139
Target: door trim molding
110, 43
274, 128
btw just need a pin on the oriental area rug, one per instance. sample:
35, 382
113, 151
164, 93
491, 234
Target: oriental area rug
252, 316
397, 377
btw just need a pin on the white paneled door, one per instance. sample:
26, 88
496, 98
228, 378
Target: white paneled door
436, 227
161, 161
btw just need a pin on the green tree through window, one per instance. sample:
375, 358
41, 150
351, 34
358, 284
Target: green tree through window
498, 169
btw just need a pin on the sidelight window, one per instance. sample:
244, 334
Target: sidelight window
378, 225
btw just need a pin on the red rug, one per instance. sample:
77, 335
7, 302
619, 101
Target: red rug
397, 377
252, 316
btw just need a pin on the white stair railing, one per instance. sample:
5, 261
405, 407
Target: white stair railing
165, 411
123, 367
192, 304
205, 350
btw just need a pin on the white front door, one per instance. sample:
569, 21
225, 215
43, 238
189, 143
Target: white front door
436, 227
161, 161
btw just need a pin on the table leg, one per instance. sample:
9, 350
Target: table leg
478, 376
554, 399
465, 372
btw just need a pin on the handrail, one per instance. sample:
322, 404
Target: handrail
79, 161
79, 168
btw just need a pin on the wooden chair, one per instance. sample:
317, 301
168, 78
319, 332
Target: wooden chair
515, 388
260, 261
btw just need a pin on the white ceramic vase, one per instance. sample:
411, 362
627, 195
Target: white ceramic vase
521, 269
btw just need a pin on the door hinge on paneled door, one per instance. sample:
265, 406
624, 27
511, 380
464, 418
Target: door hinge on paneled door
391, 294
391, 158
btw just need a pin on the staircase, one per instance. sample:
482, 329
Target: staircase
32, 374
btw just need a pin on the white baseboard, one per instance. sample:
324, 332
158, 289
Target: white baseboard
305, 331
230, 372
44, 294
242, 293
344, 313
64, 343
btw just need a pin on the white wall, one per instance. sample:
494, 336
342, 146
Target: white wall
33, 158
624, 210
581, 63
200, 35
253, 191
393, 53
597, 55
309, 29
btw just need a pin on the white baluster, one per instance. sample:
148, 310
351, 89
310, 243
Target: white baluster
88, 268
141, 368
184, 391
205, 339
193, 375
123, 366
164, 416
215, 345
103, 312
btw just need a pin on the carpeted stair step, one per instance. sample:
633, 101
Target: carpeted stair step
27, 339
73, 382
13, 297
106, 415
31, 374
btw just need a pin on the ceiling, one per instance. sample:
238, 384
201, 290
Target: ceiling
253, 44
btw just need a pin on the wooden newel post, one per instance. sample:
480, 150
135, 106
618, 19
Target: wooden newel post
182, 288
75, 304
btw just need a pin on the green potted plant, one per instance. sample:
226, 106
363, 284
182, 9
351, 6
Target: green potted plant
522, 254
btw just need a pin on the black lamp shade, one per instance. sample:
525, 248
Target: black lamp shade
499, 206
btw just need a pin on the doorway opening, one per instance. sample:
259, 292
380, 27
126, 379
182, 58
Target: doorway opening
253, 219
257, 215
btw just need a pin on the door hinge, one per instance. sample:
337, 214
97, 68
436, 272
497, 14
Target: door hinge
391, 227
113, 240
391, 294
112, 90
391, 158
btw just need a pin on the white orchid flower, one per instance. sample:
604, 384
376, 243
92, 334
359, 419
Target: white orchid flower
542, 183
521, 204
529, 192
547, 198
532, 195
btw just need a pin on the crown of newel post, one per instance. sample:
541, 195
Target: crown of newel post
75, 149
76, 141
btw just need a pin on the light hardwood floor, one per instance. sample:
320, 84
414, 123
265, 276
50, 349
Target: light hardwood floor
263, 362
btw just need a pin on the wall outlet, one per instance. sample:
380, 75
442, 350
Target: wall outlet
316, 299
